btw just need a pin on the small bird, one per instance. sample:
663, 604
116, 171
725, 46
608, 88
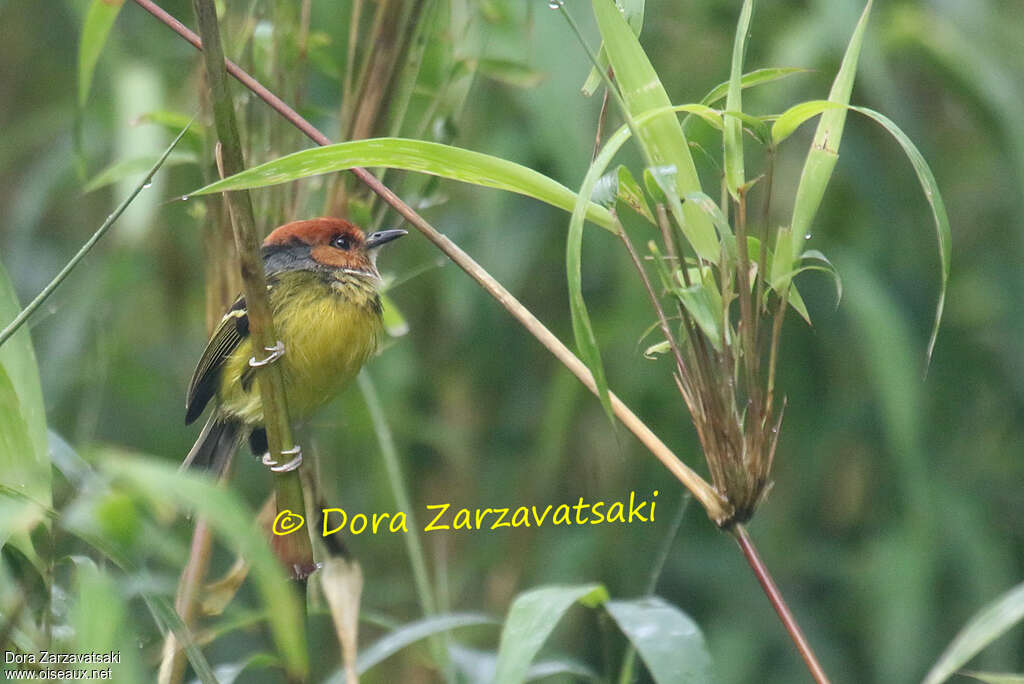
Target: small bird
323, 285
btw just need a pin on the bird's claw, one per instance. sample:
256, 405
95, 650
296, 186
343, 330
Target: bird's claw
291, 465
276, 352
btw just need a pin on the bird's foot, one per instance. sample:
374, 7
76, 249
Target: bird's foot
295, 451
276, 352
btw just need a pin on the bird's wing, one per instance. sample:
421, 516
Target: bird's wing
233, 328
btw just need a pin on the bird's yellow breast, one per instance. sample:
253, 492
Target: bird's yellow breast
329, 330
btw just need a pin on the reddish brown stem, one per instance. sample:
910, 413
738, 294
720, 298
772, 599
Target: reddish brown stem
778, 603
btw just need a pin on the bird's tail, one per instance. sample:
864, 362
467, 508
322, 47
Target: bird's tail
215, 445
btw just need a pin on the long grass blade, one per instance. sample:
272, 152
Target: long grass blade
433, 158
661, 137
733, 136
821, 159
99, 20
938, 207
993, 621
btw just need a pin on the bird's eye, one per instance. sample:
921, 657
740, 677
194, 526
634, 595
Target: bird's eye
342, 242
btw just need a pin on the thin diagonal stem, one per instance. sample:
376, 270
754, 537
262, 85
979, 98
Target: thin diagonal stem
656, 303
778, 603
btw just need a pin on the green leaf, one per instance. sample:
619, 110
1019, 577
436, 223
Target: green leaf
938, 207
594, 79
797, 302
783, 258
232, 520
701, 299
792, 118
98, 22
709, 207
125, 168
751, 79
990, 623
668, 640
661, 137
21, 513
755, 125
821, 159
99, 617
411, 155
24, 453
479, 666
733, 138
412, 632
583, 331
620, 186
994, 677
634, 13
18, 359
704, 304
531, 619
779, 281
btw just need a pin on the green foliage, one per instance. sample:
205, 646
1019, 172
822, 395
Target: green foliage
895, 511
647, 622
990, 623
99, 20
24, 457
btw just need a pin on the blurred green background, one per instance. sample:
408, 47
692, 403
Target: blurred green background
897, 510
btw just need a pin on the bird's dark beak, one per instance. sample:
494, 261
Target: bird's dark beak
375, 240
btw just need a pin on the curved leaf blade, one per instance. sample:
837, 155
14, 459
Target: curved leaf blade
24, 450
668, 640
991, 622
98, 21
531, 619
422, 156
795, 116
232, 520
662, 136
821, 159
732, 140
583, 330
938, 207
409, 634
752, 79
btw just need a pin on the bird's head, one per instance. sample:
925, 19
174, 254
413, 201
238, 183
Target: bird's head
325, 244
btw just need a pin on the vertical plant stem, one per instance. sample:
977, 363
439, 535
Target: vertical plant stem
172, 664
778, 603
413, 542
295, 550
762, 235
747, 313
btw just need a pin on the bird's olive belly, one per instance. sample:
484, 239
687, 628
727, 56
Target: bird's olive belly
327, 336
